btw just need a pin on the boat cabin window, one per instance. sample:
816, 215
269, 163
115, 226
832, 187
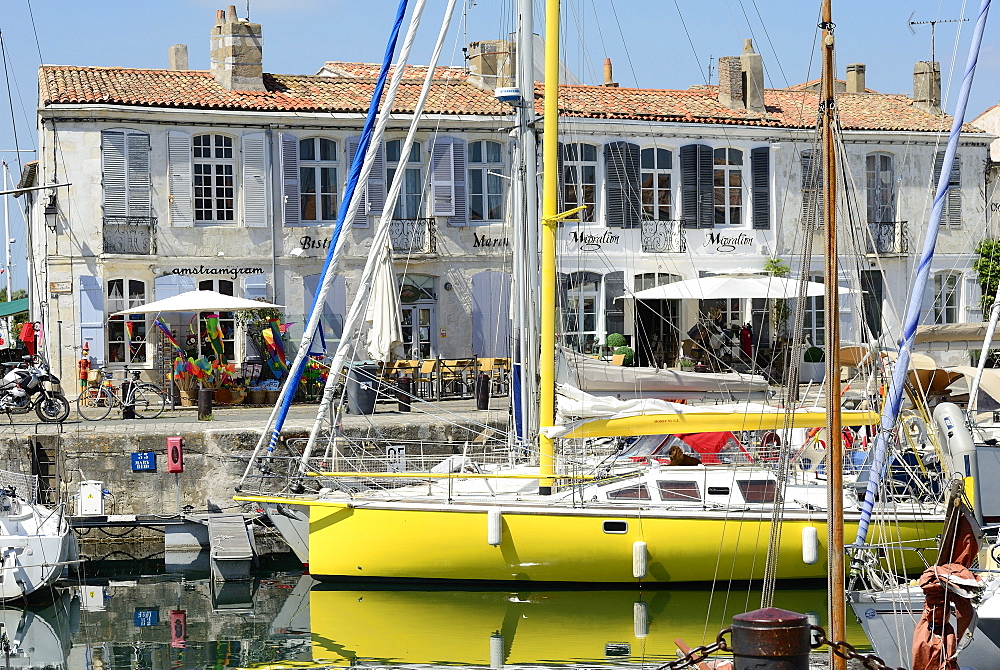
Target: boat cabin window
686, 491
757, 490
617, 527
638, 492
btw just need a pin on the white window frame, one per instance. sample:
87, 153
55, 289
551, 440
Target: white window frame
215, 163
575, 189
880, 187
732, 215
576, 299
493, 184
410, 203
947, 297
134, 349
815, 310
316, 166
660, 165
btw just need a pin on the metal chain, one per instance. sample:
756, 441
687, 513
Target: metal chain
846, 650
698, 654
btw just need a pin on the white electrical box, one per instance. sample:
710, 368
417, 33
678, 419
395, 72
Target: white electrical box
92, 598
90, 501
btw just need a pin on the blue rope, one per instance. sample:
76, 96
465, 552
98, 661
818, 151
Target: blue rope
894, 396
295, 373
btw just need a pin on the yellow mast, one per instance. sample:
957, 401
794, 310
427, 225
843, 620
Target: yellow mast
550, 210
835, 457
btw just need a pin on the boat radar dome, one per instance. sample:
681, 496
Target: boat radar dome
509, 94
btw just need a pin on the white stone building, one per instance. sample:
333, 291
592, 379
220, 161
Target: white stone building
230, 179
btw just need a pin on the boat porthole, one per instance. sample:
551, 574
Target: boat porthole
616, 527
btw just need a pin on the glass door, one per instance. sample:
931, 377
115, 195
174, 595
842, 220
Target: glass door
418, 331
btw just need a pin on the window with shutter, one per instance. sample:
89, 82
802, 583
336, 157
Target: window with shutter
881, 188
727, 175
812, 190
181, 198
760, 165
579, 173
214, 178
318, 159
291, 214
485, 181
624, 205
255, 191
951, 213
408, 204
697, 190
656, 167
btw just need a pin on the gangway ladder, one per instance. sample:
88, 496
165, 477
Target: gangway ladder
231, 547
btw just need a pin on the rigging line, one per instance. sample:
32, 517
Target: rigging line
10, 101
770, 44
694, 51
34, 30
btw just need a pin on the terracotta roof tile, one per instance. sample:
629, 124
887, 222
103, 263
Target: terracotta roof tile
347, 87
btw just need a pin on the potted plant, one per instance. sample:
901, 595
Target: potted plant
628, 352
813, 365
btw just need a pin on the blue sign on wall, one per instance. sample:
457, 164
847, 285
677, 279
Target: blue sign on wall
145, 617
144, 461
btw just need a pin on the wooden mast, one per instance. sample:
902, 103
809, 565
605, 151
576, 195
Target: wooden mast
835, 468
550, 210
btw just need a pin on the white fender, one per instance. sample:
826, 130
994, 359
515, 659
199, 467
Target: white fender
494, 526
640, 559
640, 620
497, 656
810, 545
959, 449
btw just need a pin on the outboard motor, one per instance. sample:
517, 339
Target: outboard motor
960, 450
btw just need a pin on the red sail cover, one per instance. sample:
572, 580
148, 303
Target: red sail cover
949, 588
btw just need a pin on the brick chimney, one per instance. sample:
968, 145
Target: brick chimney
927, 86
731, 82
491, 64
855, 78
752, 66
177, 57
236, 52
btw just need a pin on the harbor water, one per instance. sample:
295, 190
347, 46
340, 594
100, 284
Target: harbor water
112, 620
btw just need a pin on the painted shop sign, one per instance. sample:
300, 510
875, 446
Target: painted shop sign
233, 272
308, 242
486, 242
728, 243
593, 241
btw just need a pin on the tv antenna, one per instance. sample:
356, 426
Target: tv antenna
910, 23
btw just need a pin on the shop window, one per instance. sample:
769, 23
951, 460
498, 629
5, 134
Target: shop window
126, 334
580, 315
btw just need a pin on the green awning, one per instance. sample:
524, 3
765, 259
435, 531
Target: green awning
13, 307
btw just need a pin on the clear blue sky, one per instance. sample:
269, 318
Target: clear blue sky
653, 43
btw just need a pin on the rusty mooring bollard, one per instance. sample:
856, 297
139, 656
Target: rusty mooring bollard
771, 639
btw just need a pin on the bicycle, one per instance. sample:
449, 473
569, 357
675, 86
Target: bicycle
95, 402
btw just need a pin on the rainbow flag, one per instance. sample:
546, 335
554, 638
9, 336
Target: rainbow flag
214, 333
158, 322
272, 339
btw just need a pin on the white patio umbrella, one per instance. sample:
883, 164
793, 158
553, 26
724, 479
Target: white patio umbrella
731, 287
198, 301
385, 333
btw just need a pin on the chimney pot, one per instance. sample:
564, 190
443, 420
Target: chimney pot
609, 78
856, 78
231, 14
220, 16
177, 57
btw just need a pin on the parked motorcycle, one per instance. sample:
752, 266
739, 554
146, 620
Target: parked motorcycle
29, 386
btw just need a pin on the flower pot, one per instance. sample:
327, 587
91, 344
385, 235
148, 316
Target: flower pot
189, 397
228, 396
256, 397
271, 397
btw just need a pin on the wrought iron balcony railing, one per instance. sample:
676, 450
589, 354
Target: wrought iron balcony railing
886, 237
663, 237
413, 235
130, 235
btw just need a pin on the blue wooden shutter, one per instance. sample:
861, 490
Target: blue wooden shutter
461, 217
951, 214
491, 327
181, 189
443, 177
92, 316
139, 197
255, 180
614, 310
706, 192
360, 193
760, 165
167, 286
290, 179
114, 179
254, 287
624, 203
